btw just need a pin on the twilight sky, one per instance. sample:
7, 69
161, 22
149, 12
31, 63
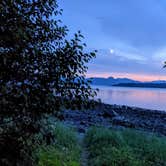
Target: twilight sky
130, 35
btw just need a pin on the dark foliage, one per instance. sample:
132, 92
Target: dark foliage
40, 72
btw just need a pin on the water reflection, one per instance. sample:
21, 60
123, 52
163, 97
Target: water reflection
151, 98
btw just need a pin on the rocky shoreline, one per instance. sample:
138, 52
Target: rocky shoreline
111, 116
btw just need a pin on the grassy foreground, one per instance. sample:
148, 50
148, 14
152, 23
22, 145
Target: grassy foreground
64, 152
125, 148
106, 147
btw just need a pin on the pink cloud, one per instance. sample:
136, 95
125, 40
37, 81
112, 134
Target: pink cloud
135, 76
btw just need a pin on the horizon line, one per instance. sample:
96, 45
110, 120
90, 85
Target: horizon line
135, 77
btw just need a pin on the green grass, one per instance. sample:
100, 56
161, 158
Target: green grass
64, 152
125, 148
106, 147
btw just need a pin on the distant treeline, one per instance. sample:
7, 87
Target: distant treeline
144, 85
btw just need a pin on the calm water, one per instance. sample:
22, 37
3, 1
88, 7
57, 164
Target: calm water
152, 98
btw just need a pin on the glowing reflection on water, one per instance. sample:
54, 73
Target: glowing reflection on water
152, 98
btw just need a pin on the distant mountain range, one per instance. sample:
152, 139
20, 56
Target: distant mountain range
125, 82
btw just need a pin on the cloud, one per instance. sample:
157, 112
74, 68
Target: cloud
141, 24
160, 55
130, 56
134, 31
124, 62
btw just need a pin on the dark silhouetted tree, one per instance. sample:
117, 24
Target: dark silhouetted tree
40, 71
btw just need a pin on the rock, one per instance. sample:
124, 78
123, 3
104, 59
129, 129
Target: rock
61, 117
106, 115
123, 122
82, 122
100, 114
164, 119
109, 114
81, 130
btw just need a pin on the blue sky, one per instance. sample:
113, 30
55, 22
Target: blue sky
130, 35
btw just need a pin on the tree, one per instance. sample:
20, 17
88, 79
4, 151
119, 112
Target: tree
40, 71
